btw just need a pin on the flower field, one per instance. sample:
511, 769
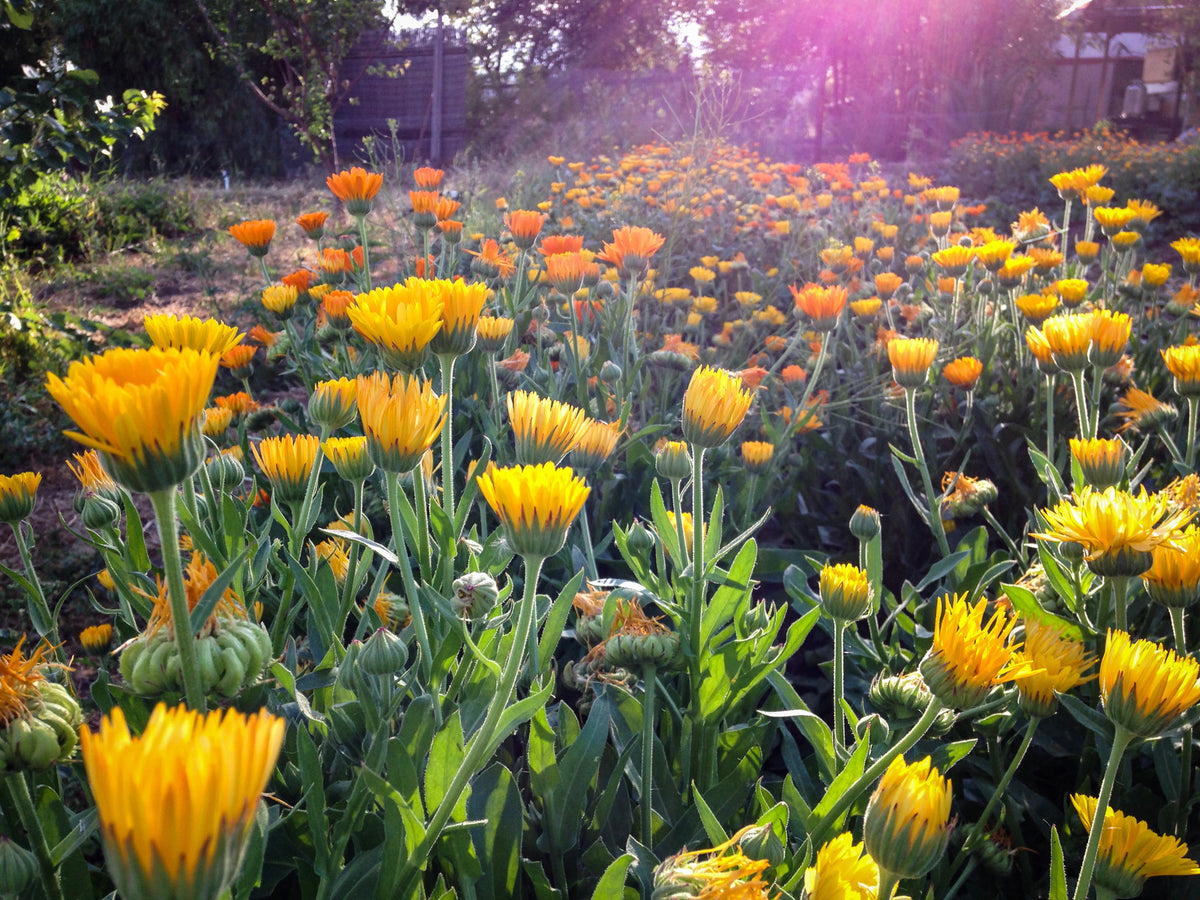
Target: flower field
677, 524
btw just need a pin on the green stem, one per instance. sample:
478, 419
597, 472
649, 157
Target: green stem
168, 532
1183, 804
480, 744
839, 689
37, 596
1177, 628
852, 794
649, 682
1050, 418
1081, 408
811, 383
366, 249
1172, 447
18, 791
1121, 740
406, 574
1119, 584
446, 361
352, 570
1189, 453
262, 267
677, 500
887, 884
589, 551
1008, 541
935, 513
696, 605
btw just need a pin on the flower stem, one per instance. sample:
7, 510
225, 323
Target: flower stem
18, 791
1119, 584
1121, 740
351, 570
406, 574
1081, 408
696, 606
47, 627
168, 532
480, 744
935, 514
589, 552
649, 682
871, 775
446, 361
1189, 453
366, 249
887, 884
839, 689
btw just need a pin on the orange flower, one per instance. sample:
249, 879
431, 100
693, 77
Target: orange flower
428, 179
313, 224
255, 235
356, 188
822, 305
963, 372
491, 261
424, 204
525, 225
554, 244
631, 248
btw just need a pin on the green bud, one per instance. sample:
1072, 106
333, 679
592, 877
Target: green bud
864, 524
383, 653
100, 514
18, 868
475, 593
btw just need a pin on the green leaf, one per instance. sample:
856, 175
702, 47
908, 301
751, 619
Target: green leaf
496, 800
1024, 602
208, 602
845, 780
712, 827
612, 883
313, 777
942, 568
556, 619
1058, 871
445, 757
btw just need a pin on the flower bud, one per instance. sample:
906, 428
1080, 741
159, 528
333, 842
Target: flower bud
383, 653
673, 460
100, 513
475, 593
864, 524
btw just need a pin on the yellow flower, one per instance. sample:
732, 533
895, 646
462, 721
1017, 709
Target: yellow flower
400, 321
1073, 291
96, 638
723, 872
333, 552
1145, 686
757, 455
887, 283
1155, 275
141, 410
1118, 530
332, 404
845, 592
1069, 339
911, 359
1057, 662
535, 504
545, 430
1101, 459
596, 443
1183, 363
1087, 250
19, 679
967, 657
1143, 412
1188, 249
1110, 334
18, 494
994, 254
401, 418
493, 332
842, 871
1130, 852
356, 188
963, 372
350, 457
868, 306
280, 299
215, 337
462, 305
822, 305
1112, 219
907, 822
207, 771
1173, 578
714, 405
1036, 307
91, 475
287, 462
954, 261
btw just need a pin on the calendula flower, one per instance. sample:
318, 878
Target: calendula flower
631, 249
462, 305
907, 823
237, 360
846, 592
1072, 291
1130, 852
1101, 459
1173, 578
714, 405
596, 444
400, 321
1057, 662
1110, 335
96, 639
493, 331
757, 455
1112, 219
1069, 339
428, 178
822, 305
287, 462
313, 224
1146, 687
209, 335
1118, 530
1155, 275
842, 871
350, 457
535, 504
1143, 412
1087, 250
141, 411
280, 299
723, 872
18, 494
887, 283
254, 235
545, 430
968, 657
963, 372
207, 771
332, 403
1036, 307
1188, 249
954, 261
524, 225
356, 188
994, 253
1183, 362
911, 359
401, 418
